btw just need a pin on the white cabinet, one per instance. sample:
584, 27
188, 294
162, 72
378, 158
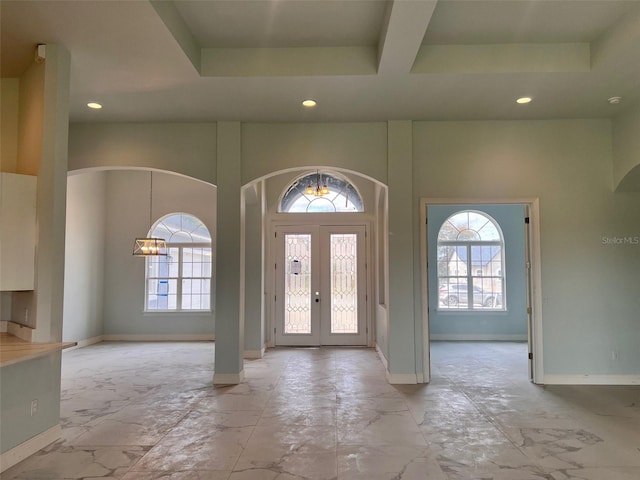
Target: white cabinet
17, 231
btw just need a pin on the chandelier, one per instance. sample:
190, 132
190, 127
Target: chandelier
318, 190
150, 246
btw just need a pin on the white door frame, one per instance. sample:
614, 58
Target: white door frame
316, 219
534, 277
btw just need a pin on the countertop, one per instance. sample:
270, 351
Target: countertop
14, 349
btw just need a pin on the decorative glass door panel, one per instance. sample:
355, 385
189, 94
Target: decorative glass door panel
344, 282
297, 288
320, 285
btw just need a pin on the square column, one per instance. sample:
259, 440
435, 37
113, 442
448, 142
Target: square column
229, 367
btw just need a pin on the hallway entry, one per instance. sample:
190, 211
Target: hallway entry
479, 276
320, 279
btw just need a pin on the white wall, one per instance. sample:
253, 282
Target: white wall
127, 200
84, 269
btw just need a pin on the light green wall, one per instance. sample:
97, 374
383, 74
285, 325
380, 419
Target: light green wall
254, 339
37, 379
270, 147
127, 217
404, 332
590, 290
567, 164
186, 148
85, 244
626, 151
381, 266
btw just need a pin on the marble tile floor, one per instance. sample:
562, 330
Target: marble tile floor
149, 411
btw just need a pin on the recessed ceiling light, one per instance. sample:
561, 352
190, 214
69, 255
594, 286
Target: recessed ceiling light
614, 100
309, 103
522, 100
94, 105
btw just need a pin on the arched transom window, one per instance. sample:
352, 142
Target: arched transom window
340, 195
470, 263
181, 281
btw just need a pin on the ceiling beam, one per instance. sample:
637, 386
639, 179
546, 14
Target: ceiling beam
288, 62
619, 43
176, 25
506, 58
406, 22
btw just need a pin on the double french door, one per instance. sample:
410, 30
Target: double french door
320, 285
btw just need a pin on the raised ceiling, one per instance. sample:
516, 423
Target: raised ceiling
362, 60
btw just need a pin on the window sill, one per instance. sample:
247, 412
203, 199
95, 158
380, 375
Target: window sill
467, 311
172, 313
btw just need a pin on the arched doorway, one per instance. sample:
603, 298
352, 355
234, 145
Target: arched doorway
320, 269
323, 258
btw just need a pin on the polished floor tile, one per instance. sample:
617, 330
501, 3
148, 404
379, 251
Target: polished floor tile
147, 411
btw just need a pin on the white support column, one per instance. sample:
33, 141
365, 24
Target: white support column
229, 262
51, 203
401, 254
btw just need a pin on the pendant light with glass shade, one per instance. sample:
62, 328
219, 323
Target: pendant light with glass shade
150, 246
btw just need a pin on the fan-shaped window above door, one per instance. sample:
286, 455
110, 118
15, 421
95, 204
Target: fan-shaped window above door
321, 193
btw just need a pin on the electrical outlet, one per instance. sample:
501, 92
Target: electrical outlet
615, 355
34, 407
26, 315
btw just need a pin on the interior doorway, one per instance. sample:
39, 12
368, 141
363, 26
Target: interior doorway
479, 277
320, 284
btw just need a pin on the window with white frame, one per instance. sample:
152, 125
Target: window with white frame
321, 192
471, 263
181, 281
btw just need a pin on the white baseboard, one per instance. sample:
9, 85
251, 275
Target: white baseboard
197, 337
382, 357
461, 337
254, 354
18, 453
402, 378
398, 378
86, 342
228, 378
591, 379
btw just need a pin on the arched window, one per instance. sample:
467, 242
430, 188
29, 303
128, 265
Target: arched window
470, 263
181, 281
341, 196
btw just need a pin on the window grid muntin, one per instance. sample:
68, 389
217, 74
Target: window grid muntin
471, 278
179, 279
340, 190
